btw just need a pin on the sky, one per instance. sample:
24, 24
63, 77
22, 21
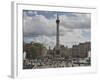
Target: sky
40, 26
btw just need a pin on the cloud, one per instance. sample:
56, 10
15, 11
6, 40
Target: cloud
74, 28
39, 25
76, 21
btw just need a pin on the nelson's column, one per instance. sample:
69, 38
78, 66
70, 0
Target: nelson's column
57, 36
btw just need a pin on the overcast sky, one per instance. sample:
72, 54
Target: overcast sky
40, 26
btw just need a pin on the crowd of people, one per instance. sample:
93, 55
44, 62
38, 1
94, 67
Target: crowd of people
55, 63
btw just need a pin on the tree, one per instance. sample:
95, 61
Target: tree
34, 50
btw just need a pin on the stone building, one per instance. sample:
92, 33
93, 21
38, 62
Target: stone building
77, 51
81, 50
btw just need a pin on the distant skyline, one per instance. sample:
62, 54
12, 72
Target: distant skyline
40, 26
